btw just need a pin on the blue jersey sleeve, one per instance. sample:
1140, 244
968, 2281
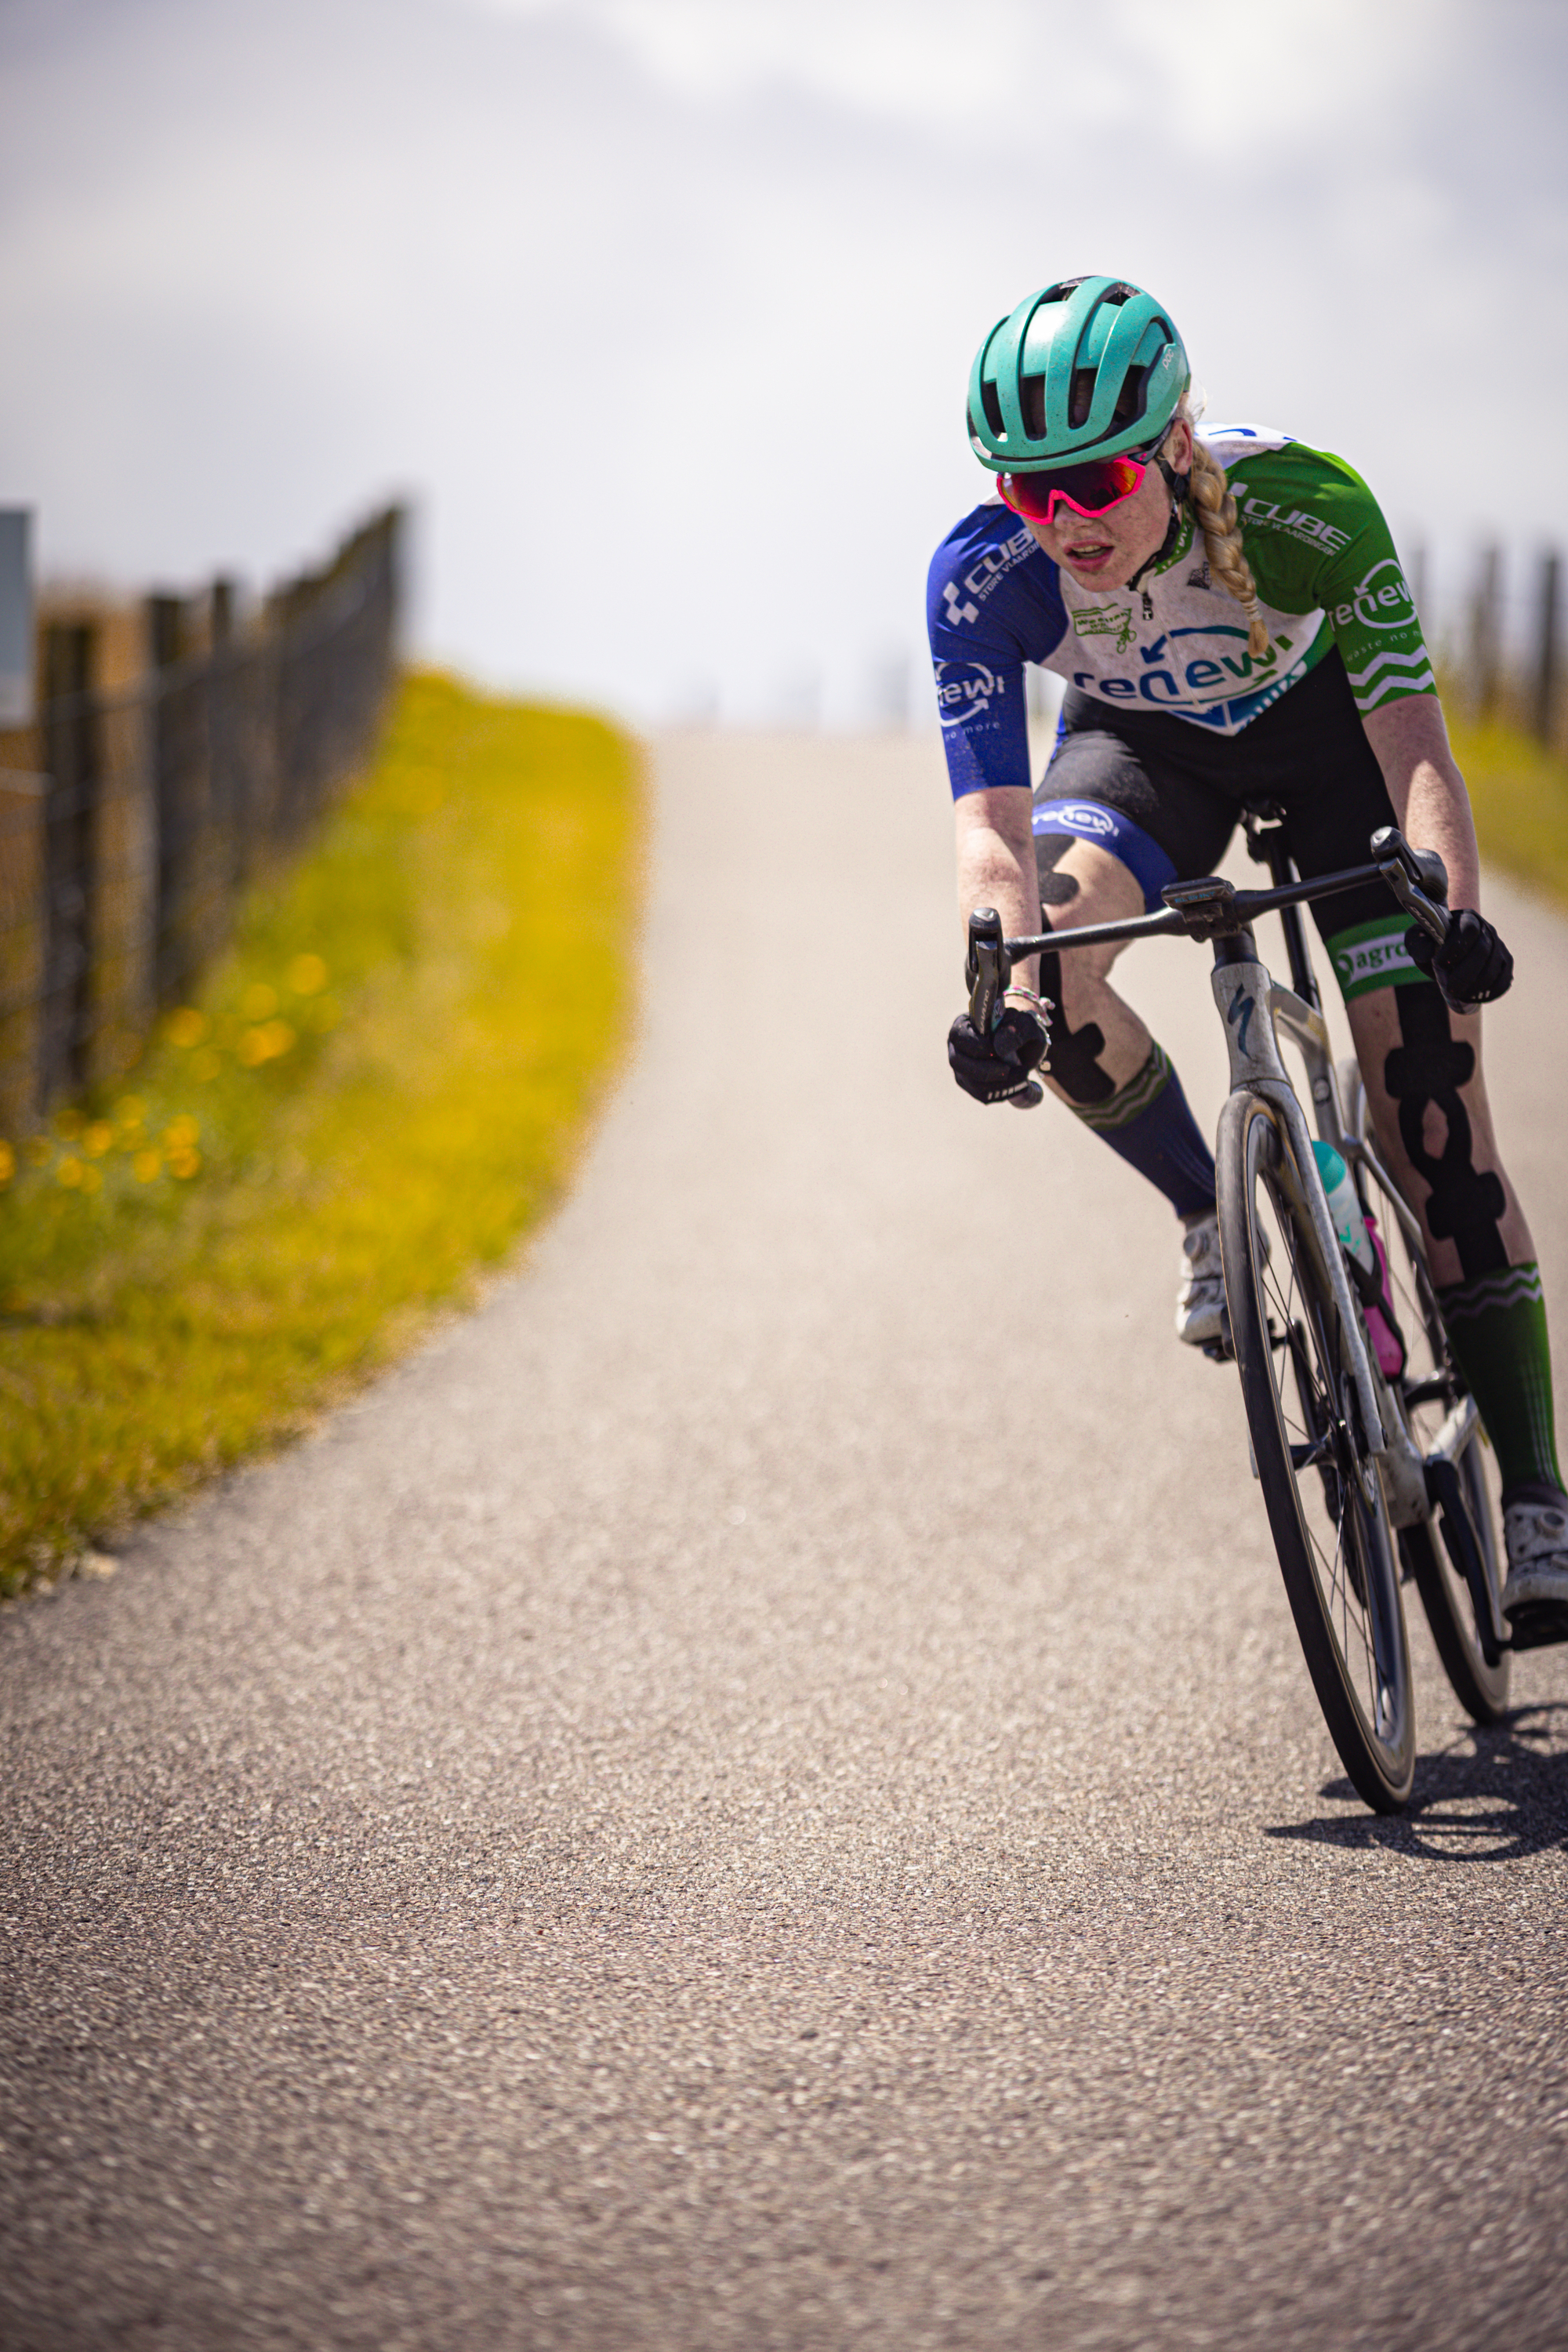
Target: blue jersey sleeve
991, 605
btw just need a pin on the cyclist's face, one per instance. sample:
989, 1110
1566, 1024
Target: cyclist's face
1105, 551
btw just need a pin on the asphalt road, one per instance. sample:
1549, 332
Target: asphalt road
761, 1791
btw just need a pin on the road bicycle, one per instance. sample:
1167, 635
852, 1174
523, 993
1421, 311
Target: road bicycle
1370, 1478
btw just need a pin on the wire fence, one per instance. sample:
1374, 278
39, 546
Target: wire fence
123, 848
1498, 635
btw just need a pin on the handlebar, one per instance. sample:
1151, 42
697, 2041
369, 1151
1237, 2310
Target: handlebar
1211, 909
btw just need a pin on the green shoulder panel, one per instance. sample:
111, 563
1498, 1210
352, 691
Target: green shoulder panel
1315, 538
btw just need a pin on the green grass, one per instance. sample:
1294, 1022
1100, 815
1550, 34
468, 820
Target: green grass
383, 1087
1520, 794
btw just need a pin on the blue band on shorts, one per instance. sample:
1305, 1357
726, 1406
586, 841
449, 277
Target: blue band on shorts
1092, 820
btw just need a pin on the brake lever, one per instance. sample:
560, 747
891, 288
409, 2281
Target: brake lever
1431, 918
988, 970
1432, 915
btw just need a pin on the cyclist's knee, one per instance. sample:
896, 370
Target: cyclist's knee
1092, 1031
1072, 1057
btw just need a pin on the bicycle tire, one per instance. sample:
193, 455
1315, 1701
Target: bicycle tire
1482, 1690
1324, 1499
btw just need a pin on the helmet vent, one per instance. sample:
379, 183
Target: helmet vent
992, 405
1032, 392
1080, 399
1130, 400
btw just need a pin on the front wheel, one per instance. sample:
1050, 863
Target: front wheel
1321, 1483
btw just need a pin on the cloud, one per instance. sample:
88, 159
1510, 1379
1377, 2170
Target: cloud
664, 310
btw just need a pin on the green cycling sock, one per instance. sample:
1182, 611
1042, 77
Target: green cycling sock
1498, 1327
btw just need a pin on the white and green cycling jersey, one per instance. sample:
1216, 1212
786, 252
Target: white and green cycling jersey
1326, 575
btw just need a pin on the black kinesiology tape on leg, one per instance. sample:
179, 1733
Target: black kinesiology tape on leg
1070, 1055
1056, 889
1429, 1068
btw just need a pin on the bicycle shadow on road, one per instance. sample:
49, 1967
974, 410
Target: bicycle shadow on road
1498, 1793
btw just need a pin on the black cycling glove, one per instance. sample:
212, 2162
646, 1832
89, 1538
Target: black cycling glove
1471, 967
993, 1069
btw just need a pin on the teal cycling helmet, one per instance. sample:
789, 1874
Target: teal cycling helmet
1086, 368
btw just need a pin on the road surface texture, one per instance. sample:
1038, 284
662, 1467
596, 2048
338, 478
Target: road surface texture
761, 1791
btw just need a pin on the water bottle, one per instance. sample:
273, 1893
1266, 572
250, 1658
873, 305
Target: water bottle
1366, 1251
1345, 1209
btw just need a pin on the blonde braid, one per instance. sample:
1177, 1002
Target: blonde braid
1214, 511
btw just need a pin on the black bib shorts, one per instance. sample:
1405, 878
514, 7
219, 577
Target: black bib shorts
1185, 789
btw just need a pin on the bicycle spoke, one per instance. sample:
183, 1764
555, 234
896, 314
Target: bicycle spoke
1322, 1493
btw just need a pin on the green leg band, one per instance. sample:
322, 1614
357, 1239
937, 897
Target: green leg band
1139, 1092
1147, 1123
1498, 1326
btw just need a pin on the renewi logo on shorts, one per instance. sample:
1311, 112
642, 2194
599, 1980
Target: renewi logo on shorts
1077, 816
1372, 955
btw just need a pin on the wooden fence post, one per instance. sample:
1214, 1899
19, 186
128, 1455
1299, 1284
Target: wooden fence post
73, 762
125, 909
1544, 699
189, 912
23, 792
1486, 634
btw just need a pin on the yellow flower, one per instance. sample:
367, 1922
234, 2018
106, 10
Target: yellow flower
258, 1001
69, 1171
146, 1165
266, 1043
99, 1138
7, 1163
306, 974
130, 1110
183, 1161
181, 1133
186, 1027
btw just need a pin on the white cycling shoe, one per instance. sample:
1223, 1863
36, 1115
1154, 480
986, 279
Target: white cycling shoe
1200, 1302
1535, 1597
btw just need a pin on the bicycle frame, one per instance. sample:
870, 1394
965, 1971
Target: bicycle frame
1254, 1011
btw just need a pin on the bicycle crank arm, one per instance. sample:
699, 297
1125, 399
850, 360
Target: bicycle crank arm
1460, 1536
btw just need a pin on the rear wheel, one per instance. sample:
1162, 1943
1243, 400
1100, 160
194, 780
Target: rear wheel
1445, 1596
1321, 1484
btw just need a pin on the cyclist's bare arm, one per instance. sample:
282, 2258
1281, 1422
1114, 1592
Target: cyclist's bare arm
994, 843
997, 865
1430, 802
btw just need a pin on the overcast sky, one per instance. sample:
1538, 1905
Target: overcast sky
662, 311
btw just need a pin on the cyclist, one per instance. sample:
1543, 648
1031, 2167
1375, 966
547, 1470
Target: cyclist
1226, 607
